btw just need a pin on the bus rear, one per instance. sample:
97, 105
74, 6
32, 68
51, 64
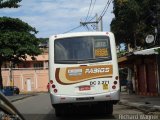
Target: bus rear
83, 70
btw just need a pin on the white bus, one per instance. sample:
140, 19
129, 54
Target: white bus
83, 70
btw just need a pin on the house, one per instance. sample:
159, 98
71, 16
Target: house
28, 76
145, 69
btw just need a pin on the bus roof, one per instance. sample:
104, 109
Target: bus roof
76, 34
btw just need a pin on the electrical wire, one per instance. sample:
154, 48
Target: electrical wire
92, 8
88, 10
104, 10
102, 14
92, 18
73, 29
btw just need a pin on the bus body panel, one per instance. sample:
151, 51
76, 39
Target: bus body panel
83, 82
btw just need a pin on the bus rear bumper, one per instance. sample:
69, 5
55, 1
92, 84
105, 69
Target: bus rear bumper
109, 96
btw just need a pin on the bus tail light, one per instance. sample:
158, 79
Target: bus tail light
55, 90
115, 82
53, 86
116, 77
63, 98
51, 81
113, 87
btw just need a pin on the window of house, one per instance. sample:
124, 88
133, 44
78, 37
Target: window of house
38, 65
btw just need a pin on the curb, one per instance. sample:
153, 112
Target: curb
23, 93
142, 107
21, 98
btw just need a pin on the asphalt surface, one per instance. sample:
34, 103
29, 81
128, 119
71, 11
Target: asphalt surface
143, 103
39, 108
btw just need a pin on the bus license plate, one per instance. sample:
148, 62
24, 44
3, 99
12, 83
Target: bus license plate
83, 88
105, 86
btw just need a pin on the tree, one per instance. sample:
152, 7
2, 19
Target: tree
9, 3
129, 24
17, 40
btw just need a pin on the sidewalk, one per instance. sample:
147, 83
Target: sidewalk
145, 103
20, 97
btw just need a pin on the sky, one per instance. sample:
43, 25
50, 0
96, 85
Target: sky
51, 17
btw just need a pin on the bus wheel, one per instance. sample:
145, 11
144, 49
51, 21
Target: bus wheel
58, 110
58, 113
109, 108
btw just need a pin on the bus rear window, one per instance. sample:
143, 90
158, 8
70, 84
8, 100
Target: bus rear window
77, 49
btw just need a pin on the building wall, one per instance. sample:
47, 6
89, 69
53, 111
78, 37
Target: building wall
28, 80
146, 75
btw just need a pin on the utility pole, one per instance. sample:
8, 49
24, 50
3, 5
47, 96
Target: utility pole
95, 22
91, 22
97, 28
101, 23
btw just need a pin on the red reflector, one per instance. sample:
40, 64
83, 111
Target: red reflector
82, 88
115, 82
108, 96
63, 98
51, 81
55, 90
53, 86
113, 87
116, 77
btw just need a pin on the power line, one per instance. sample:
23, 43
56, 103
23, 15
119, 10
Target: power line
89, 22
92, 8
92, 18
104, 10
73, 29
89, 10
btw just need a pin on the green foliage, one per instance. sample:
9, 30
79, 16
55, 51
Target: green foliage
157, 50
44, 40
17, 39
122, 53
9, 24
130, 22
9, 3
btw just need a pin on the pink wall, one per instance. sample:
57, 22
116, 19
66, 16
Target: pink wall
28, 80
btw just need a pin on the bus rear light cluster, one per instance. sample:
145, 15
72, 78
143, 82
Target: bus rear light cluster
53, 86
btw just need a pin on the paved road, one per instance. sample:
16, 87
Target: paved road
39, 108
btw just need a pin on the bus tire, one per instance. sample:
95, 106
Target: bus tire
109, 108
58, 112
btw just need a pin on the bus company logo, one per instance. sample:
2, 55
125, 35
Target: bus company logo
97, 70
75, 72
